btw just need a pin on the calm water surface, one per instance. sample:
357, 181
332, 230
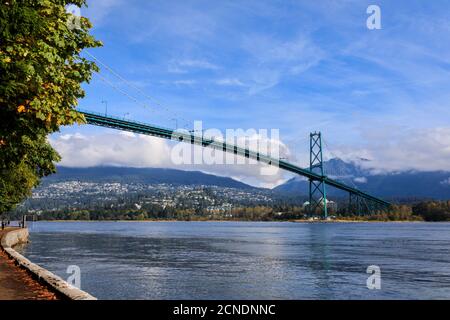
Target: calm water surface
237, 260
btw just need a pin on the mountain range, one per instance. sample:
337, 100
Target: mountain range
142, 175
407, 184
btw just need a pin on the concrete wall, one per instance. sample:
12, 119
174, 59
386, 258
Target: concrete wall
15, 237
55, 283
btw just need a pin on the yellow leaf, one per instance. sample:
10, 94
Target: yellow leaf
7, 60
21, 109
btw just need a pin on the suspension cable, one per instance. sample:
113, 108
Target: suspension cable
131, 85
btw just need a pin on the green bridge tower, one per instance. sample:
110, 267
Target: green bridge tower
317, 189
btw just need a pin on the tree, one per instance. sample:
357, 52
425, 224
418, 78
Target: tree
41, 72
17, 175
433, 210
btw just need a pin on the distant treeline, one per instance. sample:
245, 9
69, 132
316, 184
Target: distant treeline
423, 211
155, 212
433, 210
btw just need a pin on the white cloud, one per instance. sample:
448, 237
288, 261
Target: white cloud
393, 149
185, 82
360, 180
99, 10
184, 66
133, 150
263, 79
274, 59
230, 82
201, 64
117, 149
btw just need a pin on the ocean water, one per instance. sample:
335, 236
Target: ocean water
247, 260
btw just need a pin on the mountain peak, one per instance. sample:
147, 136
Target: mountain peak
336, 167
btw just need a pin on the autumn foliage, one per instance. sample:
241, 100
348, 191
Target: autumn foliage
41, 72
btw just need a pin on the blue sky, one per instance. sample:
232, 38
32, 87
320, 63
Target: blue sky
297, 66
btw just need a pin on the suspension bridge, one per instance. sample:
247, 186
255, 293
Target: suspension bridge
359, 202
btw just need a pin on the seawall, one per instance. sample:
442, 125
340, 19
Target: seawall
48, 279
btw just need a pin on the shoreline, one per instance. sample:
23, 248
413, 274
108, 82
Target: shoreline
16, 283
247, 221
28, 280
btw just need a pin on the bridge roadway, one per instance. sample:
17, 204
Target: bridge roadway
156, 131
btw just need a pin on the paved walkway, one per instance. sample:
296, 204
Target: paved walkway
17, 284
